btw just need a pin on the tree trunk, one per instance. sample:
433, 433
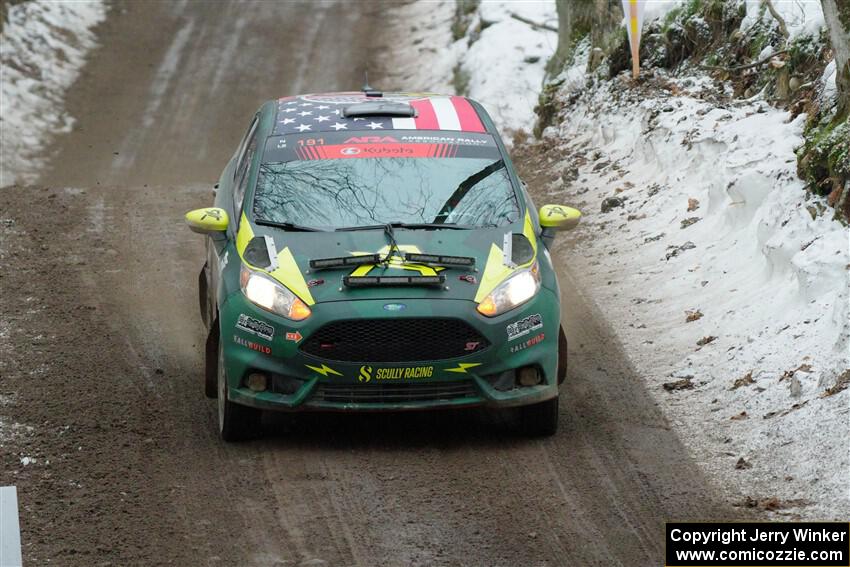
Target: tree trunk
837, 16
565, 31
605, 23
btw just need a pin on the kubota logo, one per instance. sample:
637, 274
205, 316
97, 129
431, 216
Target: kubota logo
365, 374
349, 151
371, 140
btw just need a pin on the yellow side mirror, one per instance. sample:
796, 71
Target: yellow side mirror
558, 217
207, 221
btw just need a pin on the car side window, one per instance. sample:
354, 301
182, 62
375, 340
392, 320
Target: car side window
243, 168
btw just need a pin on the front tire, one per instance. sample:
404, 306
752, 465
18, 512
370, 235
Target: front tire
235, 422
541, 419
562, 356
211, 363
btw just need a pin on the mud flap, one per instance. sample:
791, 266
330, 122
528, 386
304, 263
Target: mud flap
211, 361
562, 356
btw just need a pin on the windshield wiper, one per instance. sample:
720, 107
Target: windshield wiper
287, 225
463, 188
407, 225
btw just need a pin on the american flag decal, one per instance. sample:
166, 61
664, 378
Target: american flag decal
323, 113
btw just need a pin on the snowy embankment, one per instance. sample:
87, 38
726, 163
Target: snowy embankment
43, 46
726, 283
730, 298
499, 61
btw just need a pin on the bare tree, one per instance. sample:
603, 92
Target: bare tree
606, 18
837, 16
565, 32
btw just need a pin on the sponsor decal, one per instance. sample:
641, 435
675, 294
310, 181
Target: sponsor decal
214, 213
463, 367
524, 326
337, 151
556, 210
367, 373
294, 337
252, 345
537, 339
371, 140
224, 260
421, 139
314, 283
324, 370
468, 278
395, 306
255, 327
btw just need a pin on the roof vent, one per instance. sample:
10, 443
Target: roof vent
376, 108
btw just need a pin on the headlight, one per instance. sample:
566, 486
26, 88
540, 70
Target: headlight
512, 292
263, 291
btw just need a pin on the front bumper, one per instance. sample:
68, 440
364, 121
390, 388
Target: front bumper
257, 341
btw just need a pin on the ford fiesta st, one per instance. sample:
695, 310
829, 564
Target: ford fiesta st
376, 251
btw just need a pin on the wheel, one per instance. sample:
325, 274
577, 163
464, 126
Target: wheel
202, 295
562, 356
235, 422
211, 363
540, 420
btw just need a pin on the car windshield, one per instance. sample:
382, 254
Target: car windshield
344, 193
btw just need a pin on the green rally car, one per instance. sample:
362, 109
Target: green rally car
376, 251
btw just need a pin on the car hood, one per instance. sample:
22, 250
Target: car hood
486, 245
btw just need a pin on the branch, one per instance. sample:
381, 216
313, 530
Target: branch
783, 29
532, 23
742, 67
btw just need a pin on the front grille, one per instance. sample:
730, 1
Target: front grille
393, 393
394, 340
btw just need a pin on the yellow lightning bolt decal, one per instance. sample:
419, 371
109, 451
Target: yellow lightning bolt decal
461, 367
323, 370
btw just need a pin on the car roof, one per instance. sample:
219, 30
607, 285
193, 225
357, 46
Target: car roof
326, 112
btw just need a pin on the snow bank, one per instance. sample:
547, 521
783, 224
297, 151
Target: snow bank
802, 17
506, 64
42, 48
714, 223
500, 62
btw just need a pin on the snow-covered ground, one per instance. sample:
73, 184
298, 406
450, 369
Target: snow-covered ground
802, 17
724, 280
42, 48
500, 62
719, 282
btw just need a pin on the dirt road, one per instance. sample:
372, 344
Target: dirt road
100, 354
